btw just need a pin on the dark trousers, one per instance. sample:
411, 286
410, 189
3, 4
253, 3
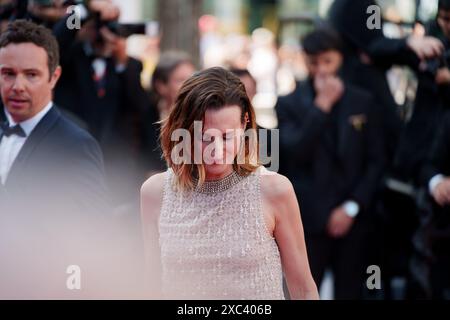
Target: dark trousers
440, 276
396, 227
345, 257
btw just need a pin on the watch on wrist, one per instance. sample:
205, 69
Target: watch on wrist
351, 208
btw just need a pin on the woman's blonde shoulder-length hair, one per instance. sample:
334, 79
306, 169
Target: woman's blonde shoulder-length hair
213, 88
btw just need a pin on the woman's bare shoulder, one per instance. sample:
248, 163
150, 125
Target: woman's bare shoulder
275, 187
153, 188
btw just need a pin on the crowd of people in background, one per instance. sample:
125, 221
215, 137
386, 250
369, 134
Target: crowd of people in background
373, 186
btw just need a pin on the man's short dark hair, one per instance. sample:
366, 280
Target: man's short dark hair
242, 73
22, 31
168, 62
444, 5
321, 40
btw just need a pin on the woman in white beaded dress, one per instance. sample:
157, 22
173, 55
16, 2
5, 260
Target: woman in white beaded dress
220, 226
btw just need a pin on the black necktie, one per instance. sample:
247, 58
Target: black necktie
8, 131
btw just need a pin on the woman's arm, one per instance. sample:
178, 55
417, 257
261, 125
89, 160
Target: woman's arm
151, 201
288, 233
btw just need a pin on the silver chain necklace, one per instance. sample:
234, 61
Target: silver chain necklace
215, 186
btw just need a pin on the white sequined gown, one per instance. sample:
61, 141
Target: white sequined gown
217, 246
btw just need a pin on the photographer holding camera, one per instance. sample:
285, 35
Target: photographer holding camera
421, 158
101, 88
432, 101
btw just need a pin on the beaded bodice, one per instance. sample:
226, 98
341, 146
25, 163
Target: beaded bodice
215, 245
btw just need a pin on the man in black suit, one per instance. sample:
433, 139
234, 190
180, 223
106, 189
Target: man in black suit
53, 195
332, 152
436, 178
369, 55
432, 101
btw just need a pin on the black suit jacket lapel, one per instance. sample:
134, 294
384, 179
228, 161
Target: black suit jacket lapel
343, 132
2, 187
345, 128
329, 141
2, 119
306, 93
2, 114
32, 141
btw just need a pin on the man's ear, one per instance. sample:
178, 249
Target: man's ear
55, 76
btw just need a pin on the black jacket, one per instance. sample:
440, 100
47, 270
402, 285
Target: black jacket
439, 157
52, 208
438, 162
58, 161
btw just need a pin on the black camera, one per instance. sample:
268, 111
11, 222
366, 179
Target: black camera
433, 65
119, 29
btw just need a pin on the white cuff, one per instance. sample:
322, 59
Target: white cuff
434, 182
351, 208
